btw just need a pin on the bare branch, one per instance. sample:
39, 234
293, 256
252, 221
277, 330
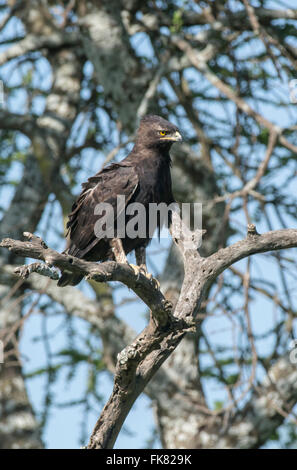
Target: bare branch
271, 402
33, 43
138, 362
199, 60
254, 243
18, 122
150, 92
108, 271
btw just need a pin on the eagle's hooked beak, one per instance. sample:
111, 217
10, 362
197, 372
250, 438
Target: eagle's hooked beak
177, 137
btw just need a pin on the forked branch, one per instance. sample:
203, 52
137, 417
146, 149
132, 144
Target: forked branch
139, 361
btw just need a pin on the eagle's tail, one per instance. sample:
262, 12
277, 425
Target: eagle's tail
69, 279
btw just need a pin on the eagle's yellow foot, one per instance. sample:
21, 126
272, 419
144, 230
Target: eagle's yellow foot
142, 269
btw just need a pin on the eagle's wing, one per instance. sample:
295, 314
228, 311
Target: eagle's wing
117, 179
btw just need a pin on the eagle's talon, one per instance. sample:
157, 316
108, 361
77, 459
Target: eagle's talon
143, 270
150, 277
168, 305
135, 269
155, 283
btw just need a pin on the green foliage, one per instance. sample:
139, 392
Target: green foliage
218, 405
75, 357
28, 77
263, 136
232, 379
53, 369
177, 21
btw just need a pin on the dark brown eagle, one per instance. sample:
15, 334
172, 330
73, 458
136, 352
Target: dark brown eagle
143, 177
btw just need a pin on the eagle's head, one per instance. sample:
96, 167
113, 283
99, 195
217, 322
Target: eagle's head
154, 131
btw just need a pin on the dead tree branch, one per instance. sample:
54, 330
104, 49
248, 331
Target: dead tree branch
138, 362
109, 271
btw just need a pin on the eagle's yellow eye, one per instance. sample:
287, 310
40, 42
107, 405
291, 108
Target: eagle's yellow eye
162, 132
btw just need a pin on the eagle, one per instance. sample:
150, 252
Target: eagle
142, 177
